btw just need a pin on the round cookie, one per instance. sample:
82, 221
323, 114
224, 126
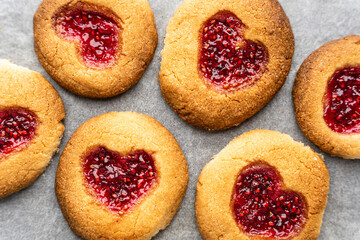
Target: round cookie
31, 112
121, 176
95, 48
262, 185
326, 97
225, 60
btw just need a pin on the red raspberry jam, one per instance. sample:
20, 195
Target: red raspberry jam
98, 34
228, 61
119, 181
262, 208
17, 129
342, 101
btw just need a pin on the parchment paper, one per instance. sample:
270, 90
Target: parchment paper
33, 213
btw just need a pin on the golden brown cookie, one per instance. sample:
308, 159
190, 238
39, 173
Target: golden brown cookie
262, 185
225, 60
31, 112
326, 97
121, 176
95, 48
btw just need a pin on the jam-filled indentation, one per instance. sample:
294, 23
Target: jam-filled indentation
96, 31
262, 207
228, 61
342, 101
119, 181
17, 129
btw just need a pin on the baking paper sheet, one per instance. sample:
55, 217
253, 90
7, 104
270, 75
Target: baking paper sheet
33, 213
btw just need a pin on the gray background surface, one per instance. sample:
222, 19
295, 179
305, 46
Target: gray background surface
33, 213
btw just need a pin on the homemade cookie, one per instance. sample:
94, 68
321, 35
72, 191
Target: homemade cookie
225, 60
121, 176
326, 97
30, 126
95, 48
262, 185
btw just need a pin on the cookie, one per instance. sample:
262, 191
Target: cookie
225, 60
95, 48
121, 176
262, 185
326, 97
31, 112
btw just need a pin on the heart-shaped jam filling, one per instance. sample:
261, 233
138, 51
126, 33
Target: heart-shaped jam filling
262, 207
17, 128
342, 101
119, 181
228, 61
98, 34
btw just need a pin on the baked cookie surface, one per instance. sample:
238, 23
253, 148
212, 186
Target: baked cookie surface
262, 185
95, 48
121, 176
326, 97
31, 112
224, 60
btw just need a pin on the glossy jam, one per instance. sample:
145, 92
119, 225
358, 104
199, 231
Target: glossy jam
228, 61
17, 128
119, 181
261, 207
342, 101
97, 33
